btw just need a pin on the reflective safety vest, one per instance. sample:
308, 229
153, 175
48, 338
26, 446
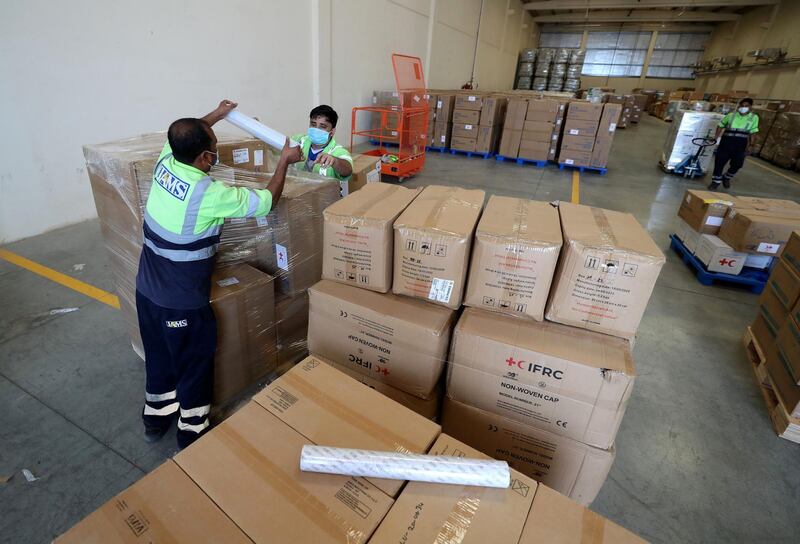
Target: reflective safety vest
738, 125
333, 149
182, 224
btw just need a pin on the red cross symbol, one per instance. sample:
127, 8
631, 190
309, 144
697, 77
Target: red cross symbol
726, 262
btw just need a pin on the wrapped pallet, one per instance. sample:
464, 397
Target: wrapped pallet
687, 126
782, 146
766, 117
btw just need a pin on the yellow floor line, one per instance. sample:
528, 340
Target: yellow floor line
67, 281
576, 187
777, 173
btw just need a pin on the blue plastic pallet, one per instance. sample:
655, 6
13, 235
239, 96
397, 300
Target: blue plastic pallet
439, 149
753, 278
582, 169
517, 160
471, 154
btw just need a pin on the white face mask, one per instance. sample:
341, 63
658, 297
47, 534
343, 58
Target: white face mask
743, 110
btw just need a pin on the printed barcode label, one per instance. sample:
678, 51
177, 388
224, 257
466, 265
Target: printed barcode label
439, 104
714, 221
574, 131
569, 161
258, 157
373, 176
612, 127
261, 221
241, 156
441, 290
416, 98
227, 281
442, 138
765, 247
394, 133
471, 98
467, 127
344, 187
282, 257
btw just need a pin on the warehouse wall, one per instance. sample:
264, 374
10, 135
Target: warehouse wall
90, 72
768, 26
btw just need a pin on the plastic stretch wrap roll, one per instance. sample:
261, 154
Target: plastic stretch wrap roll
259, 130
405, 466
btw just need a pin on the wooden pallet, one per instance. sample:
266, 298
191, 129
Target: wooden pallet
785, 426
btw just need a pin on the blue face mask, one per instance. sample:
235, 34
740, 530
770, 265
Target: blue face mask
318, 136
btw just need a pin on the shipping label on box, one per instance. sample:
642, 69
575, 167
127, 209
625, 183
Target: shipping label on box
433, 238
424, 512
586, 111
465, 131
580, 127
565, 380
719, 256
400, 341
574, 158
358, 236
517, 244
469, 102
607, 272
568, 466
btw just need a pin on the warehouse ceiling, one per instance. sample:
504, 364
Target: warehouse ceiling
641, 11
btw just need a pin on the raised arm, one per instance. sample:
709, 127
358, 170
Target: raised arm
289, 155
224, 108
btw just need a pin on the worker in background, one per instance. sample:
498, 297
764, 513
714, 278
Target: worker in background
182, 224
322, 154
735, 136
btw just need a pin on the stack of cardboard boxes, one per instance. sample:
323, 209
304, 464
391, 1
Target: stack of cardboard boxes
216, 489
477, 122
588, 134
443, 123
776, 354
264, 265
627, 102
532, 129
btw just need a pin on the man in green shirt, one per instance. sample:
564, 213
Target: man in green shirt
735, 135
322, 154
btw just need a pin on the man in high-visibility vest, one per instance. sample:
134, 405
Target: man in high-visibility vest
182, 225
735, 135
322, 154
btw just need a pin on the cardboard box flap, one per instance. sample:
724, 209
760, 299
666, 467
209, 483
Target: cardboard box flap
787, 208
375, 201
710, 197
449, 210
596, 227
518, 220
555, 518
572, 344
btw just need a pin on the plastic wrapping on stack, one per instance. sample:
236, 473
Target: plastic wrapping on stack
542, 70
539, 84
576, 56
673, 106
765, 119
525, 69
280, 252
523, 83
688, 125
572, 84
782, 146
527, 55
562, 56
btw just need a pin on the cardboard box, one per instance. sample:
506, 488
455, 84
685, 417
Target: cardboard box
761, 331
574, 158
534, 151
762, 233
291, 314
487, 139
704, 211
606, 273
249, 155
469, 102
464, 144
788, 345
516, 250
601, 152
568, 466
719, 256
543, 110
581, 144
358, 236
783, 208
427, 408
243, 300
366, 169
687, 235
555, 519
466, 117
608, 121
774, 313
568, 381
425, 513
509, 142
778, 368
399, 341
537, 130
164, 506
493, 110
758, 261
433, 238
445, 104
251, 460
580, 127
587, 111
441, 134
329, 408
516, 110
785, 284
465, 130
791, 253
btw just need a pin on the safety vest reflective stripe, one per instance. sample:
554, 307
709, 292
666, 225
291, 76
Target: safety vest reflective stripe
170, 236
193, 207
192, 428
182, 255
252, 204
196, 412
165, 411
150, 397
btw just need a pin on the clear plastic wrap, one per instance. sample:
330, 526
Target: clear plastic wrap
539, 84
440, 469
264, 265
576, 56
562, 56
523, 83
527, 55
686, 126
525, 69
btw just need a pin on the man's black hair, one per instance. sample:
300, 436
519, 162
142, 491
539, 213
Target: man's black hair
325, 111
748, 100
188, 138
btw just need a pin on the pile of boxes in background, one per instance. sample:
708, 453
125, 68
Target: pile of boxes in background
477, 122
588, 134
532, 129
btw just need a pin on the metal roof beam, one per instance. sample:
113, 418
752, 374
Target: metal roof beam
636, 16
563, 5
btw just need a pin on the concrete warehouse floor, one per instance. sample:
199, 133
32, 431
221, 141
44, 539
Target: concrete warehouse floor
697, 460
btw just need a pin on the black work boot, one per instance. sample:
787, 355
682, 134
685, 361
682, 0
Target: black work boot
726, 181
713, 186
154, 434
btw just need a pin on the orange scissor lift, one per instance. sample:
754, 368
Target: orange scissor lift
406, 124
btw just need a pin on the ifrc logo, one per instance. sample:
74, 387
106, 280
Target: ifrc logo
727, 262
535, 368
